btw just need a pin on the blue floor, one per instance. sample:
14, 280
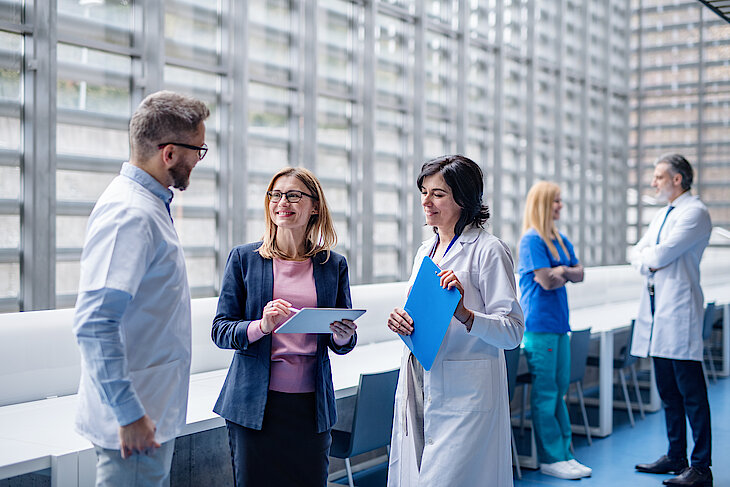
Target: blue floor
613, 458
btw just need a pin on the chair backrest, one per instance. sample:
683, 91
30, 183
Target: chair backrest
579, 342
625, 357
512, 359
709, 320
372, 421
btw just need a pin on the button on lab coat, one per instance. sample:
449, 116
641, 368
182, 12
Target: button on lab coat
676, 330
466, 409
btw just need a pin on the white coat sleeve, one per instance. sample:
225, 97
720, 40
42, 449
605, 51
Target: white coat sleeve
635, 254
693, 226
502, 323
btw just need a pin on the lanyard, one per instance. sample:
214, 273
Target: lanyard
436, 244
659, 234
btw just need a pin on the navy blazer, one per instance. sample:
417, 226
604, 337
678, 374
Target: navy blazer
248, 284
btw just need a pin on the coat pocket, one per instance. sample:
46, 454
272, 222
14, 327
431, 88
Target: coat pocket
673, 301
469, 385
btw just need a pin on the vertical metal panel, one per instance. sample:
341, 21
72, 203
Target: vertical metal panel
355, 217
367, 183
497, 218
38, 166
233, 175
407, 220
621, 253
560, 92
309, 87
153, 46
419, 118
296, 18
639, 153
462, 113
700, 103
606, 137
585, 134
530, 101
224, 221
137, 90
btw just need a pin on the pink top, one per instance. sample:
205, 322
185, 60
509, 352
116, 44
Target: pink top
293, 356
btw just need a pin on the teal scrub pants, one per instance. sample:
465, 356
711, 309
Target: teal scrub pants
548, 355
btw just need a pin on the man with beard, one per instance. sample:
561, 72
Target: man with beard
669, 324
132, 320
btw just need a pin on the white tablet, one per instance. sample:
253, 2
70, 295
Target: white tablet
317, 320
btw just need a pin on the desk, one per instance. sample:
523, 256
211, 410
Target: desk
39, 435
605, 320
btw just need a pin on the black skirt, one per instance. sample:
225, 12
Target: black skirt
287, 451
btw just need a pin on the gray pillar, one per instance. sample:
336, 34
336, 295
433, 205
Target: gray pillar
38, 167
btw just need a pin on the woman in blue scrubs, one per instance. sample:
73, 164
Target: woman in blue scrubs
547, 263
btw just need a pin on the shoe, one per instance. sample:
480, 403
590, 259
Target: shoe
561, 470
691, 477
584, 471
663, 465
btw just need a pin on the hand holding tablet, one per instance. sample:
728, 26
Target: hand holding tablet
317, 320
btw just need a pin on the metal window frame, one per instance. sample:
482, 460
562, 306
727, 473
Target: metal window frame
304, 83
640, 90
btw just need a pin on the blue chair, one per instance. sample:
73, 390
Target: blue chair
713, 315
372, 420
512, 359
621, 364
579, 342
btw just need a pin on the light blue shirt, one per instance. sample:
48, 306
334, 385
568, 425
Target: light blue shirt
132, 319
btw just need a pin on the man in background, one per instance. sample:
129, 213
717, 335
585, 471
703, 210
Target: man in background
132, 320
669, 325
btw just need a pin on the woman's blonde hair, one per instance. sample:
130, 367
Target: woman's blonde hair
320, 235
539, 215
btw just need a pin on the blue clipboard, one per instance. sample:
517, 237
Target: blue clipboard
431, 308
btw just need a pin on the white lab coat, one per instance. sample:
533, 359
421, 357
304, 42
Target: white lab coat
676, 330
466, 406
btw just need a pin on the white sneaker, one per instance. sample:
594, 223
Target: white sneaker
585, 471
561, 470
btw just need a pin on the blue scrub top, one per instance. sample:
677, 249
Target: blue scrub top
545, 311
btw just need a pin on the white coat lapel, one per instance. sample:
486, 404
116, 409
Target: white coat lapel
468, 236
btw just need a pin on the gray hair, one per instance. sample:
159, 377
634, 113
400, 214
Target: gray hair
678, 165
161, 116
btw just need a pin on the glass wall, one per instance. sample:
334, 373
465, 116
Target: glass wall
195, 65
360, 92
680, 102
11, 136
94, 85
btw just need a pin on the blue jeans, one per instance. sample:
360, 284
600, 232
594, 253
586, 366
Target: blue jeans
139, 470
548, 355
